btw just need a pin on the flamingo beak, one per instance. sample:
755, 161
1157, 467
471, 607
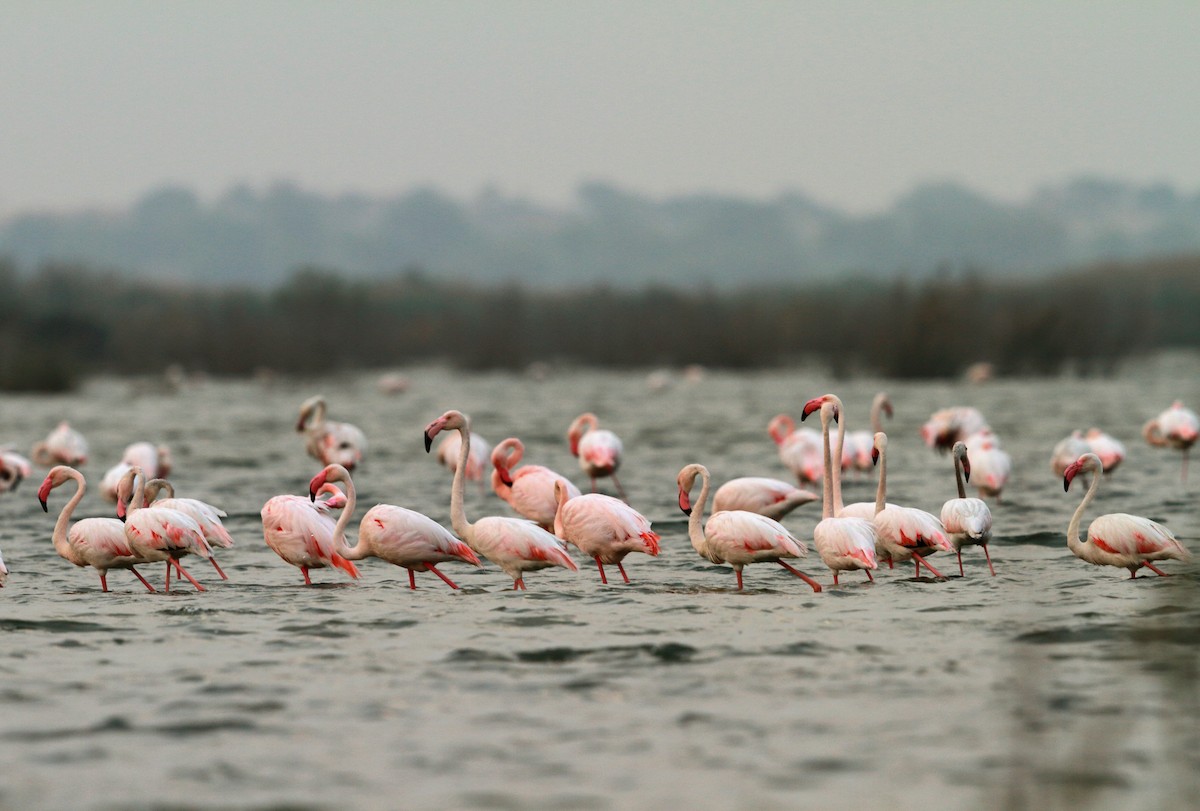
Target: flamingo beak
809, 407
685, 503
506, 477
428, 441
966, 464
1068, 477
874, 456
313, 486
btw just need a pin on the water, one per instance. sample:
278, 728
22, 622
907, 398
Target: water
1054, 684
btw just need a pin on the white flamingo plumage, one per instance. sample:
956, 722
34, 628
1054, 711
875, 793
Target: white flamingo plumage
515, 545
62, 446
397, 535
478, 454
1118, 539
14, 468
300, 530
736, 537
604, 528
968, 520
1110, 449
859, 445
1178, 427
1067, 451
599, 450
530, 489
3, 572
799, 449
206, 516
990, 464
159, 533
153, 459
328, 441
758, 494
951, 425
96, 542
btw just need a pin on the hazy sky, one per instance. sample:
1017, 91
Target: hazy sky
850, 102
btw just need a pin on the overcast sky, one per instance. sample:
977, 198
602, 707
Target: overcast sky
850, 102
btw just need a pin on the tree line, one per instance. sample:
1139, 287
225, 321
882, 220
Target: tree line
62, 322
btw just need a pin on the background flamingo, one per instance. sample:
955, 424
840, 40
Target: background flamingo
515, 545
845, 543
300, 530
478, 452
327, 441
529, 490
770, 497
736, 537
860, 444
968, 520
159, 533
990, 464
153, 459
603, 528
394, 534
62, 446
599, 450
1118, 539
14, 468
951, 425
1177, 427
799, 449
1110, 450
1067, 451
3, 572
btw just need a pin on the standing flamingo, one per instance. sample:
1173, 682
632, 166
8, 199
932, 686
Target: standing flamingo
300, 530
1110, 449
1067, 451
770, 497
799, 450
599, 450
530, 490
845, 543
327, 441
478, 453
394, 534
602, 527
96, 542
736, 537
206, 516
968, 520
14, 468
3, 572
860, 444
153, 459
62, 446
159, 533
515, 545
1118, 539
991, 464
1177, 427
949, 425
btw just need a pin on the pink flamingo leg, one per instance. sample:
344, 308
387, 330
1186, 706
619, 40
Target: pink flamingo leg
445, 579
620, 489
1183, 472
600, 566
138, 575
925, 563
815, 585
988, 555
1154, 569
739, 575
917, 563
593, 484
835, 577
891, 563
960, 569
103, 582
412, 580
167, 588
307, 580
869, 575
621, 569
184, 572
217, 566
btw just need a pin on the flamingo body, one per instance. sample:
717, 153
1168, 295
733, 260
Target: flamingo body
301, 532
410, 539
1067, 451
62, 446
799, 449
1110, 450
600, 451
328, 441
479, 451
604, 528
530, 489
757, 494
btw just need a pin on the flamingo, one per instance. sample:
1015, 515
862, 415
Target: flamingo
530, 490
1177, 427
154, 459
204, 514
3, 572
949, 425
1067, 451
599, 450
860, 444
62, 446
515, 545
96, 542
799, 450
159, 533
479, 451
992, 465
14, 468
602, 527
1110, 450
845, 543
394, 534
770, 497
736, 537
327, 441
968, 520
1118, 539
300, 530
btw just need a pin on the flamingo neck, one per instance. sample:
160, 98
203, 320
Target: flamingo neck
827, 476
359, 550
837, 460
61, 543
458, 513
881, 488
137, 499
877, 414
559, 529
695, 530
1073, 542
958, 477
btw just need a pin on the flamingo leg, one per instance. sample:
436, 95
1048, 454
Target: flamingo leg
1183, 471
432, 568
1154, 569
412, 580
593, 484
217, 566
917, 563
103, 581
519, 583
925, 563
835, 577
988, 555
870, 576
739, 577
307, 580
138, 575
891, 563
167, 587
960, 568
815, 585
620, 489
621, 569
184, 573
600, 566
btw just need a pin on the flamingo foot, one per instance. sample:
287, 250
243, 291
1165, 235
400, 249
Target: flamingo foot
519, 583
307, 579
434, 569
217, 566
988, 555
815, 585
922, 562
621, 568
145, 582
600, 566
184, 572
412, 580
1154, 569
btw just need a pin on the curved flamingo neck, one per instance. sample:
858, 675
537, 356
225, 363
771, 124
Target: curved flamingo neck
137, 498
561, 495
1073, 542
695, 528
877, 413
458, 513
62, 544
881, 488
359, 550
958, 476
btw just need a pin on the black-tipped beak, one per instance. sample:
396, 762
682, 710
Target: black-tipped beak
122, 518
874, 458
428, 442
1066, 484
686, 510
45, 507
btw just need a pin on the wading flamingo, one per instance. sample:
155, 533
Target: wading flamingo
1118, 539
1177, 427
62, 446
736, 537
515, 545
529, 490
327, 441
860, 444
950, 425
844, 543
4, 572
990, 464
1067, 451
478, 454
96, 542
300, 530
599, 449
1110, 450
393, 534
159, 533
151, 458
968, 520
204, 514
604, 528
799, 450
770, 497
14, 468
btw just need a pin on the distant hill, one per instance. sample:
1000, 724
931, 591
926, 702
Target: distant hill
609, 234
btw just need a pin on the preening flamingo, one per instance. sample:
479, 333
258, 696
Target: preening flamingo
96, 542
394, 534
159, 533
1110, 450
153, 459
478, 452
1177, 427
62, 446
950, 425
529, 490
1118, 539
968, 520
515, 545
770, 497
599, 449
604, 528
14, 468
206, 516
990, 464
1067, 451
300, 530
327, 441
844, 543
799, 449
860, 444
736, 537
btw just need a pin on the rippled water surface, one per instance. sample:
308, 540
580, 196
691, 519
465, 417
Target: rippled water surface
1054, 684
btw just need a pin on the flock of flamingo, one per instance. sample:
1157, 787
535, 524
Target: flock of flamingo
743, 528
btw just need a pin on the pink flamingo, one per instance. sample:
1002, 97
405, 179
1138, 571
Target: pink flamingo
599, 450
3, 572
394, 534
860, 444
949, 425
530, 490
96, 542
1067, 451
845, 543
602, 527
770, 497
62, 446
478, 452
968, 520
327, 441
1110, 450
1177, 427
799, 450
515, 545
300, 530
736, 537
158, 533
206, 516
991, 464
14, 468
154, 459
1118, 539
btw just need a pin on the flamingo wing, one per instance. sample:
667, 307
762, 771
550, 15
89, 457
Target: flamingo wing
96, 538
910, 528
167, 530
759, 494
969, 517
594, 520
512, 543
745, 536
1135, 537
405, 537
846, 542
205, 515
532, 493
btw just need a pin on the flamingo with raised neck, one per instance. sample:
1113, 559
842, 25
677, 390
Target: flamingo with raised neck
968, 520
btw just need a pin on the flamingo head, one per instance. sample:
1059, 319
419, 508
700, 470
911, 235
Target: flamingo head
10, 476
781, 427
886, 407
1089, 461
44, 491
580, 425
815, 405
505, 456
328, 473
450, 420
687, 478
